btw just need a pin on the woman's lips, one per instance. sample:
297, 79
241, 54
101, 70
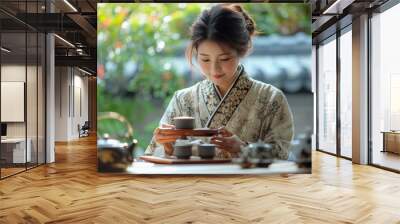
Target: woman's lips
218, 76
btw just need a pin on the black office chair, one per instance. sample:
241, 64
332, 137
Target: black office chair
84, 130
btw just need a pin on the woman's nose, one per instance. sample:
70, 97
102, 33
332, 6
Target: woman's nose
215, 68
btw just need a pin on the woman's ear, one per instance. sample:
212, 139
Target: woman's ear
195, 53
195, 66
201, 71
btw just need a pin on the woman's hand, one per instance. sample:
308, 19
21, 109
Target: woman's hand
165, 140
227, 141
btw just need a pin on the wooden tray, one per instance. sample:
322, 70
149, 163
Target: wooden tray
174, 160
189, 132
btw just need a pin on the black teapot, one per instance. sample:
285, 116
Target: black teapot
114, 155
301, 150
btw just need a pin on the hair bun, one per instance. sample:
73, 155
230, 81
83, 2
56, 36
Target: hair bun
250, 24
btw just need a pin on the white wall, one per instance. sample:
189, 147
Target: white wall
71, 94
80, 101
12, 73
61, 103
33, 127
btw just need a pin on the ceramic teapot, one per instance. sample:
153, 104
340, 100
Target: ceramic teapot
114, 155
257, 154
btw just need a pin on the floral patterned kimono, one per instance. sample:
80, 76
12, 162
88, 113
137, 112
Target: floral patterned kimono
250, 109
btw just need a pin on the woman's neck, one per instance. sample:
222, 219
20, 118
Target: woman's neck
224, 88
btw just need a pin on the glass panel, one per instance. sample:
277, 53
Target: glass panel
41, 99
32, 86
327, 97
13, 87
313, 84
41, 89
346, 94
385, 89
22, 63
31, 97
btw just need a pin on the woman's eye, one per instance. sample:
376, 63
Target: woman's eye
225, 59
205, 60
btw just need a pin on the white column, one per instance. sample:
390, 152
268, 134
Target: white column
360, 90
50, 93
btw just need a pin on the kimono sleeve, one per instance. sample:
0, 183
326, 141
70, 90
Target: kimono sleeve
280, 128
173, 110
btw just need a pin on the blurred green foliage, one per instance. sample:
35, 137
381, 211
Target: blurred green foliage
135, 79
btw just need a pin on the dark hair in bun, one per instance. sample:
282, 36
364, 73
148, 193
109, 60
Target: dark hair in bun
250, 24
225, 23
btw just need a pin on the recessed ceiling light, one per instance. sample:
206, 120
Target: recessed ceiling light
70, 5
337, 7
5, 50
86, 72
65, 41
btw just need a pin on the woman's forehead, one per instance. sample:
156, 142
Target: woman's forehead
209, 47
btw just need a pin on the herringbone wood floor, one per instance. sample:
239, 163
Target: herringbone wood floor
71, 191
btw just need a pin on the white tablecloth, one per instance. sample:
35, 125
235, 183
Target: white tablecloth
228, 168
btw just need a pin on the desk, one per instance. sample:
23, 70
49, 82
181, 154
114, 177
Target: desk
13, 150
226, 168
391, 141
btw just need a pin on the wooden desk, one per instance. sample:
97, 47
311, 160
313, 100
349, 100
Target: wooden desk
227, 168
13, 150
391, 141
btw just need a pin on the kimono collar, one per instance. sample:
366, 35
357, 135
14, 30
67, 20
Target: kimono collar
238, 72
221, 110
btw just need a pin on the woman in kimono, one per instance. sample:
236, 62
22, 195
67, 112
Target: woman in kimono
243, 109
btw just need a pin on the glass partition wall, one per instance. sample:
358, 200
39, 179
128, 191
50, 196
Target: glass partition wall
335, 125
327, 95
22, 77
13, 109
334, 94
346, 92
385, 89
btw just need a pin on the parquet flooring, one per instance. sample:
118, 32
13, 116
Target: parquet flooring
9, 171
71, 191
387, 159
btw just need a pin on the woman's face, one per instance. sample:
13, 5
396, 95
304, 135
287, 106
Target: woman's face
217, 61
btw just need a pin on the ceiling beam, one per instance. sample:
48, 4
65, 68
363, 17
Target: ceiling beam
86, 26
321, 23
81, 61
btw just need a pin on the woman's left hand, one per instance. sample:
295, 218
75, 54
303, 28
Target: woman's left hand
227, 141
